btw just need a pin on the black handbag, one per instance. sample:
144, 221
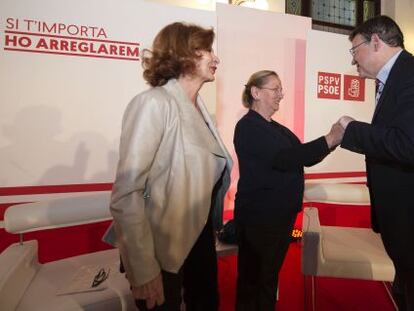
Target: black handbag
227, 234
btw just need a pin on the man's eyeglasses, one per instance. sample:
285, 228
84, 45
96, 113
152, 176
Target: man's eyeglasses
353, 49
100, 277
277, 90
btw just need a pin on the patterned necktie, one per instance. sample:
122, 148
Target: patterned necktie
379, 86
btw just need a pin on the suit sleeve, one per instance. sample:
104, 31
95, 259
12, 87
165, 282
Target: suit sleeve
393, 141
306, 154
141, 136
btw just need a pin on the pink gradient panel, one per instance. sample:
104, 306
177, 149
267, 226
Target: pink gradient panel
245, 45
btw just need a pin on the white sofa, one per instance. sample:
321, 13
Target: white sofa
25, 284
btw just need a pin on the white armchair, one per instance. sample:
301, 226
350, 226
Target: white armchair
341, 252
25, 284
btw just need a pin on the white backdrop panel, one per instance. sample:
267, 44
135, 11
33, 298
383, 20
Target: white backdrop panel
60, 115
250, 40
329, 52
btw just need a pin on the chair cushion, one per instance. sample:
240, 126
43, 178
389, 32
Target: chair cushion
41, 293
354, 253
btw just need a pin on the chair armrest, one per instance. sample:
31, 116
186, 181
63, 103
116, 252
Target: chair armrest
346, 194
311, 241
18, 266
56, 213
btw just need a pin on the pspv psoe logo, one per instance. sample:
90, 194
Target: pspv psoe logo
329, 86
354, 88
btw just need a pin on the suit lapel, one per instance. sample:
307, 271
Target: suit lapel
389, 85
384, 94
212, 128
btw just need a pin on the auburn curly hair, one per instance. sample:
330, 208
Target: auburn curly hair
175, 52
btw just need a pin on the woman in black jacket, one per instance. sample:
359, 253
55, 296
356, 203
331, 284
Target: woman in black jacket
270, 189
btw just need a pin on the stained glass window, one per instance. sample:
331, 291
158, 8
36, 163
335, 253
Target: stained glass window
369, 9
335, 15
294, 7
341, 12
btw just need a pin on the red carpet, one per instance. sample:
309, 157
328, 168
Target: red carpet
332, 294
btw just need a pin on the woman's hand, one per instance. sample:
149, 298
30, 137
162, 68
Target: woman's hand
152, 292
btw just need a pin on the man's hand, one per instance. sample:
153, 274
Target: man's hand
344, 121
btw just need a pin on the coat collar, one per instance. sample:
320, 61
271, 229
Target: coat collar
391, 80
198, 129
253, 115
283, 130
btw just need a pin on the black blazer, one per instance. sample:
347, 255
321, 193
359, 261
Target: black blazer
271, 160
388, 144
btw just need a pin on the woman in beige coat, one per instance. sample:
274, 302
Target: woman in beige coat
172, 176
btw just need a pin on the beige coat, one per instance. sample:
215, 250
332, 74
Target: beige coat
169, 163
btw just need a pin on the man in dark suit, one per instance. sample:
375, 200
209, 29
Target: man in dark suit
388, 144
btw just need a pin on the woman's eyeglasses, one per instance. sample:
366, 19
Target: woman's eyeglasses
100, 277
277, 90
